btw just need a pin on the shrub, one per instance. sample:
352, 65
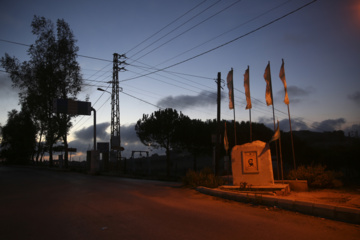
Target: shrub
204, 178
317, 176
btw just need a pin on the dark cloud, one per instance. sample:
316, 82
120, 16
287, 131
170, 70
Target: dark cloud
296, 94
87, 134
128, 134
355, 97
297, 124
353, 131
6, 89
129, 140
328, 125
204, 98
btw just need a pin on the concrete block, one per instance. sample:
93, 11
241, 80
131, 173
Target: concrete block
345, 214
324, 210
303, 207
286, 204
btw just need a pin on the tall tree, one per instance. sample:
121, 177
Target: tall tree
52, 72
18, 138
160, 130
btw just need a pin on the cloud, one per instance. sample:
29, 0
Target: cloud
328, 125
87, 134
355, 97
297, 124
353, 130
129, 140
6, 89
296, 94
204, 98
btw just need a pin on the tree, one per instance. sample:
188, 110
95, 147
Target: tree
160, 130
52, 72
195, 136
18, 138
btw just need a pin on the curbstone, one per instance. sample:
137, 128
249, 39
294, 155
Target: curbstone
324, 210
304, 207
345, 214
286, 204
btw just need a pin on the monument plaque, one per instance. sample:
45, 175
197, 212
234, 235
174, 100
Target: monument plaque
251, 163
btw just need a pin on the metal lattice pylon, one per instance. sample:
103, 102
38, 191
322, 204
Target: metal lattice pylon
115, 102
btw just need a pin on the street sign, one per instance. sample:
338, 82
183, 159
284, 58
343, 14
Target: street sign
72, 107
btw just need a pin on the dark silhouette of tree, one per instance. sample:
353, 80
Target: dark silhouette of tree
159, 130
18, 138
195, 136
52, 72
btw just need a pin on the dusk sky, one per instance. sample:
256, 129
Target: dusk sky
193, 40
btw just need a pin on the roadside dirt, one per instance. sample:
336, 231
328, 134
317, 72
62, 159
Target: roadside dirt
337, 197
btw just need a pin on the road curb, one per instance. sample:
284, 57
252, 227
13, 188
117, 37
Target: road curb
345, 214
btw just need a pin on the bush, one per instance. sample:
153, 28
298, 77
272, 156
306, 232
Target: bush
317, 176
204, 178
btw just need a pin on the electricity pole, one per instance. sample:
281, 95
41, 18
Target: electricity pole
218, 134
115, 108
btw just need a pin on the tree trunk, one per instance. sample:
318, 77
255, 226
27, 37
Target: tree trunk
39, 147
66, 160
168, 162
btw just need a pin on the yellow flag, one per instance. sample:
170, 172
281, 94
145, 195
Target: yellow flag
267, 77
247, 89
283, 79
226, 141
231, 89
276, 134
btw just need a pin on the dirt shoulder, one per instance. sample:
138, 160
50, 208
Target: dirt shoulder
335, 197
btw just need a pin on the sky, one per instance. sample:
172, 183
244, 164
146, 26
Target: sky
175, 50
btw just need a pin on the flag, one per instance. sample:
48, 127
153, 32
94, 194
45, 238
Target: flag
267, 78
231, 89
276, 134
283, 79
247, 89
226, 141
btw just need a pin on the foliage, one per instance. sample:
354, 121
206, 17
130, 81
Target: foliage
18, 138
52, 72
205, 178
160, 129
317, 176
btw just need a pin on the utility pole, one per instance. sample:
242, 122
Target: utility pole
115, 107
218, 134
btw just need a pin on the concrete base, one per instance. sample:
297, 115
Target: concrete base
295, 185
277, 189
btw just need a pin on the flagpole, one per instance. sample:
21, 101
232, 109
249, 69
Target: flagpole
281, 162
287, 102
247, 95
250, 125
235, 126
273, 108
292, 140
233, 100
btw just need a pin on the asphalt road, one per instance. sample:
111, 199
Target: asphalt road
42, 204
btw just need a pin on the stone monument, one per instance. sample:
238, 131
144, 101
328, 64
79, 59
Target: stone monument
251, 164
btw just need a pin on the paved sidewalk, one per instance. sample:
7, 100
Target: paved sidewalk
302, 203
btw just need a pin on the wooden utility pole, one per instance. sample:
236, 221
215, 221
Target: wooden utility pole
218, 134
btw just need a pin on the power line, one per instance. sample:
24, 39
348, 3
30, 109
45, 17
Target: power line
222, 34
141, 100
176, 28
224, 44
167, 26
187, 30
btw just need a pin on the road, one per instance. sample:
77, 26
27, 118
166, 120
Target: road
43, 204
